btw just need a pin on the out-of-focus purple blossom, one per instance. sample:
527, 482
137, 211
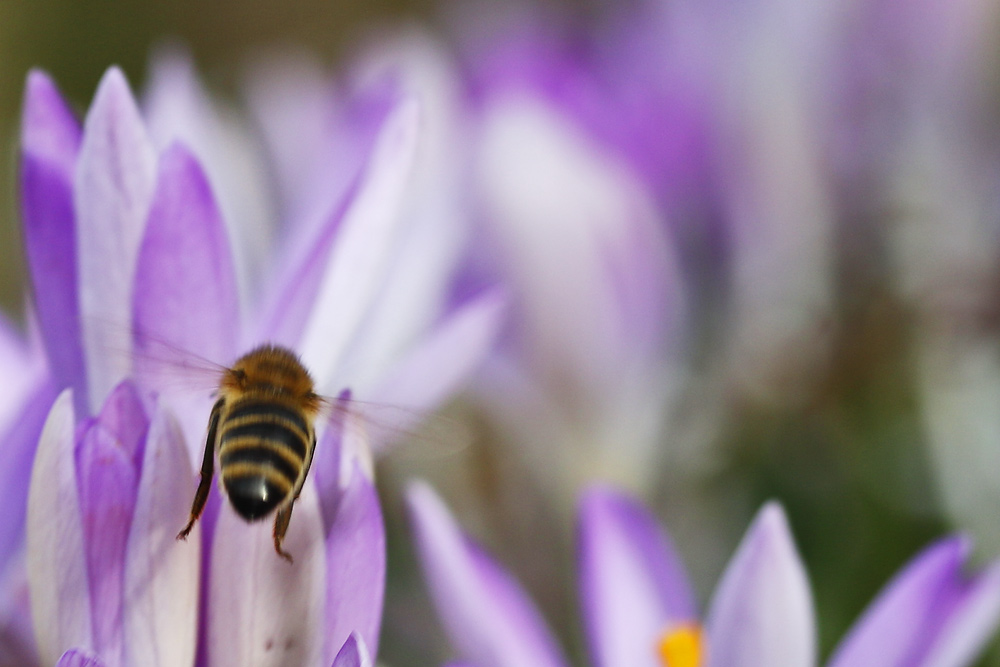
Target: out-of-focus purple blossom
132, 258
598, 309
639, 609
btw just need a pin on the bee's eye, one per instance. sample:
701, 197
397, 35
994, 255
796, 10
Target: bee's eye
240, 375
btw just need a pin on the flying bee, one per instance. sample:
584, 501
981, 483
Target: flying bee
262, 429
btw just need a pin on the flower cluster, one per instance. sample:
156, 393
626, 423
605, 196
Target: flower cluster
639, 609
133, 257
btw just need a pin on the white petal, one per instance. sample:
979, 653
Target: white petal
115, 177
762, 611
161, 573
359, 260
57, 572
263, 610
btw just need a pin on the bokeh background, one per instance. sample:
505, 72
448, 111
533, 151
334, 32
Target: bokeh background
873, 416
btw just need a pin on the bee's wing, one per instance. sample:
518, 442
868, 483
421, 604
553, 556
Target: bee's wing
159, 363
390, 427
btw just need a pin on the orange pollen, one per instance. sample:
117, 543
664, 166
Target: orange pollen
682, 646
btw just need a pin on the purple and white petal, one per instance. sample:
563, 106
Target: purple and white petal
263, 610
178, 108
78, 658
970, 624
436, 225
108, 458
903, 615
354, 653
356, 566
632, 582
114, 183
49, 130
488, 618
762, 610
359, 259
185, 286
50, 141
161, 582
57, 565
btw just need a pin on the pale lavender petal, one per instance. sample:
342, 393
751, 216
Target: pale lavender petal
49, 143
356, 562
263, 610
437, 366
178, 108
970, 624
161, 573
288, 304
108, 458
114, 182
632, 582
293, 102
57, 566
185, 286
762, 611
436, 227
359, 259
489, 619
354, 653
78, 658
567, 215
20, 441
903, 615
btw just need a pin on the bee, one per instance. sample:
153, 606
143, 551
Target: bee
262, 429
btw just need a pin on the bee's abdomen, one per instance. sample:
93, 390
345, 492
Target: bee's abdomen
262, 450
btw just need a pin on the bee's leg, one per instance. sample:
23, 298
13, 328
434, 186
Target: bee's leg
284, 514
207, 469
281, 520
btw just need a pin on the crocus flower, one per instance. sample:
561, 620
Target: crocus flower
131, 254
639, 609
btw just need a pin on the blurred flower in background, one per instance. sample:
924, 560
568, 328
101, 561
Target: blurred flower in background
638, 607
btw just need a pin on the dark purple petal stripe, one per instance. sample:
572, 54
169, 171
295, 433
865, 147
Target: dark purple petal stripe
50, 142
185, 286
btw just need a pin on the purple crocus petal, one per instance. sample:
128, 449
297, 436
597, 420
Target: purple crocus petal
77, 658
263, 610
161, 574
356, 562
904, 612
185, 286
558, 202
57, 568
971, 623
49, 130
762, 611
50, 141
114, 182
108, 456
437, 365
489, 619
363, 247
354, 653
632, 582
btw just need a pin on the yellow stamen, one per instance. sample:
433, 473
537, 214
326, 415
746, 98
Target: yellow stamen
682, 646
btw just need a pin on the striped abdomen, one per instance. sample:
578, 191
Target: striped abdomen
265, 447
